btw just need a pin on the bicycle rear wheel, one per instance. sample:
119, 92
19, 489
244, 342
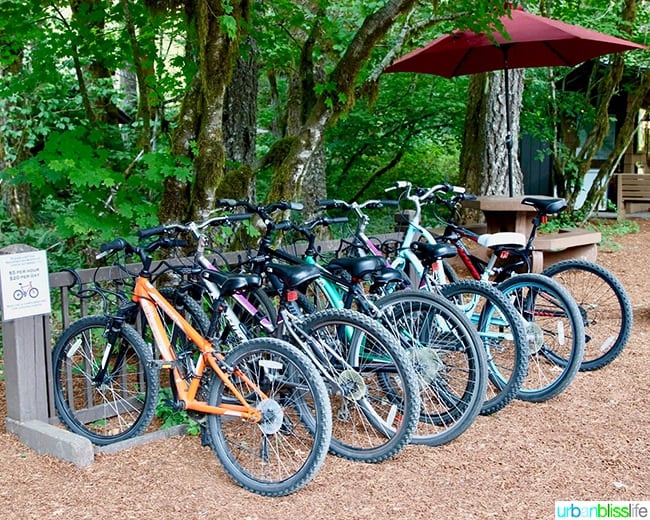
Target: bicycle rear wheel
450, 363
556, 334
503, 335
373, 421
283, 452
604, 305
108, 404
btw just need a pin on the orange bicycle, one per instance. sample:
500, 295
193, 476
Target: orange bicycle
265, 405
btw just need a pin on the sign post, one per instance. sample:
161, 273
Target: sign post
24, 281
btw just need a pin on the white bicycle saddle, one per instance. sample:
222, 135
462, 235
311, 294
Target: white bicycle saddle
504, 238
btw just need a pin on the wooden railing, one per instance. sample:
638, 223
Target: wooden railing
27, 342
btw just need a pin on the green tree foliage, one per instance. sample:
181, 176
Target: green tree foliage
109, 106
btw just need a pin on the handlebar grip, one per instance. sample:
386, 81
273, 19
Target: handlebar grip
228, 203
388, 203
239, 216
468, 196
108, 247
149, 232
336, 220
283, 225
176, 243
332, 204
327, 203
296, 206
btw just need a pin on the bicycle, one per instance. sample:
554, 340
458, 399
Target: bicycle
603, 302
354, 356
268, 412
449, 363
499, 326
554, 326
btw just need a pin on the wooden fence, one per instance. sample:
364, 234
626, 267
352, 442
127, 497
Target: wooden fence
27, 342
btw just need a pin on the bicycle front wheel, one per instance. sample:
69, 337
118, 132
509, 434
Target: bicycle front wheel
375, 398
450, 363
105, 385
604, 305
284, 451
556, 334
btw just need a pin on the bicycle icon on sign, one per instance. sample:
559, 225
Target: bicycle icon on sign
25, 290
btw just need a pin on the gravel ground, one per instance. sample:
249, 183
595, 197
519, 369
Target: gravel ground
589, 443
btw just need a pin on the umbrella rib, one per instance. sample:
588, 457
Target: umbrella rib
460, 63
557, 53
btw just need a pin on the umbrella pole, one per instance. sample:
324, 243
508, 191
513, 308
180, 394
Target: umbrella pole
508, 132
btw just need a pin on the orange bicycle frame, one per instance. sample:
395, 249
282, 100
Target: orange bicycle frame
150, 301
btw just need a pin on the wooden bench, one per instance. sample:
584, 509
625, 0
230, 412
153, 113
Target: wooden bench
551, 248
632, 188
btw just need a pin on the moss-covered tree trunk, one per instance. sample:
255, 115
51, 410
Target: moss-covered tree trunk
300, 163
240, 127
200, 133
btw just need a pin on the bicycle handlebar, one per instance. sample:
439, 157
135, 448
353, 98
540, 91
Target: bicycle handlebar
176, 228
263, 211
369, 204
120, 244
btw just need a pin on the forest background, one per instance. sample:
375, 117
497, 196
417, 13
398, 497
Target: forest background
118, 114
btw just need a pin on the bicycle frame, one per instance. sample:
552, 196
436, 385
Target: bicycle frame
152, 302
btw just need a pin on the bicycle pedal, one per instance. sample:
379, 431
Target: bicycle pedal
161, 364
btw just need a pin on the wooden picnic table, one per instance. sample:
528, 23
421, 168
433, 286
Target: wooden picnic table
509, 214
504, 213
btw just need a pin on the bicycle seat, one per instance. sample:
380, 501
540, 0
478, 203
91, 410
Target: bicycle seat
545, 206
293, 276
360, 267
430, 253
230, 283
388, 275
503, 239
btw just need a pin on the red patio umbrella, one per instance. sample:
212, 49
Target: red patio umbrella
533, 41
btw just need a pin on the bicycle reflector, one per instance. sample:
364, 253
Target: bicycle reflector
292, 296
544, 219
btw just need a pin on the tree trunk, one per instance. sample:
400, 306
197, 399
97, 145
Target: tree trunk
240, 128
200, 132
484, 155
497, 179
316, 112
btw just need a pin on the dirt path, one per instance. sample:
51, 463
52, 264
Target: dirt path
590, 443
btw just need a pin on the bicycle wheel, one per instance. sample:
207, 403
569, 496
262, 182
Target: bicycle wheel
256, 312
503, 335
371, 422
556, 334
449, 361
604, 305
105, 384
283, 452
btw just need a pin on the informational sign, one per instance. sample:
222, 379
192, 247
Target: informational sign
25, 285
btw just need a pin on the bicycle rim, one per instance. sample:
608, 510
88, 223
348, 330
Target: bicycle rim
372, 421
555, 332
604, 306
106, 407
449, 361
283, 452
503, 336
